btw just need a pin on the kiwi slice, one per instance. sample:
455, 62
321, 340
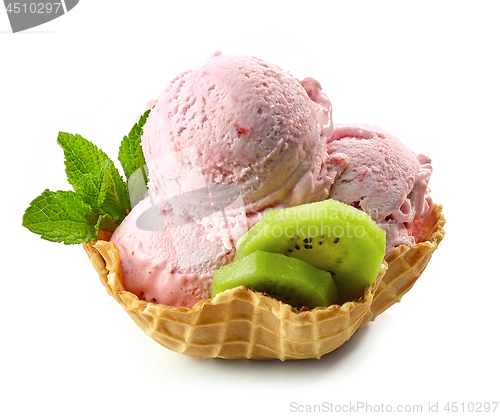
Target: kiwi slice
288, 279
329, 235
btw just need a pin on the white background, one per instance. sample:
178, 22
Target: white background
427, 72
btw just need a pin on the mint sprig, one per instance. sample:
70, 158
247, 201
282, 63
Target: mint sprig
100, 199
94, 176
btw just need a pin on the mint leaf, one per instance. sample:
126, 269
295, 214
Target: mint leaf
111, 195
137, 185
93, 175
130, 154
84, 163
61, 216
106, 223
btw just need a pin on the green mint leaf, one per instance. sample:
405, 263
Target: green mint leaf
84, 165
61, 216
111, 197
106, 223
93, 175
130, 154
137, 185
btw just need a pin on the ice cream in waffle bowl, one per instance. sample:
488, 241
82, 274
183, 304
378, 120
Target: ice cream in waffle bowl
241, 323
241, 124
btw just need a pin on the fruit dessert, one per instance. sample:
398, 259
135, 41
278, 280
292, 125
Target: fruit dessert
249, 224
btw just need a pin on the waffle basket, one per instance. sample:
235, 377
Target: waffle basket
243, 324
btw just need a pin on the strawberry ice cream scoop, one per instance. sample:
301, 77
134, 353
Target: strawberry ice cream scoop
242, 121
171, 265
383, 178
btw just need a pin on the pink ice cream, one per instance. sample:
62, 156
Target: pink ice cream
235, 121
383, 178
239, 120
237, 136
171, 266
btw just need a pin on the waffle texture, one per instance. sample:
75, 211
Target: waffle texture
243, 324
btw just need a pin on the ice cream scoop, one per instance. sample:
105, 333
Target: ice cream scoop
383, 178
240, 120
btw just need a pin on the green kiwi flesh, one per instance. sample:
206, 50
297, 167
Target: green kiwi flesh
329, 235
288, 279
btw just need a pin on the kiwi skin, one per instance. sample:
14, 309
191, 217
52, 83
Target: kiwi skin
329, 235
287, 279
